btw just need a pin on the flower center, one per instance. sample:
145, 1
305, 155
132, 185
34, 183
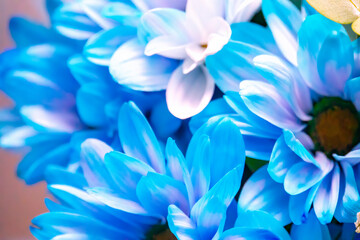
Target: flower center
160, 232
335, 126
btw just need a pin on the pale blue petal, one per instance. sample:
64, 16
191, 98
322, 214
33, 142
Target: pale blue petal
137, 138
122, 12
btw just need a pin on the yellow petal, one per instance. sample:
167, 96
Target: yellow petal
356, 26
341, 11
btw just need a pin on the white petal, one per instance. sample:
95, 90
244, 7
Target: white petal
188, 94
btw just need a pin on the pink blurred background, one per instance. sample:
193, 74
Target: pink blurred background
18, 203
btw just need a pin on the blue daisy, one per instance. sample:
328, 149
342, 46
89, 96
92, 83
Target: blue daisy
304, 106
126, 194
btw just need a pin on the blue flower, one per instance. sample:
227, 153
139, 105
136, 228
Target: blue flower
126, 194
302, 109
59, 101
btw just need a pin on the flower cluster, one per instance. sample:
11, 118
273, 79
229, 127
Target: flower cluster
188, 119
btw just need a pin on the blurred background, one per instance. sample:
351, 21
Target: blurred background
18, 203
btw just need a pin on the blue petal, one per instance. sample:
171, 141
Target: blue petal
327, 196
284, 20
225, 190
260, 192
262, 220
87, 72
211, 220
92, 94
335, 62
58, 175
130, 67
221, 65
163, 21
356, 48
248, 32
312, 35
311, 229
180, 224
100, 47
124, 13
157, 192
282, 159
137, 138
92, 162
71, 20
349, 199
126, 171
352, 89
248, 233
265, 101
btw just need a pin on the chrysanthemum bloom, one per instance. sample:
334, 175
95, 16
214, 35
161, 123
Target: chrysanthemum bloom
60, 100
310, 107
344, 11
127, 194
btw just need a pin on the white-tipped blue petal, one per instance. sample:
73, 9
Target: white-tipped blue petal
264, 100
253, 124
180, 224
349, 199
352, 91
302, 176
211, 220
309, 48
163, 22
157, 192
263, 221
93, 152
188, 94
100, 47
284, 20
282, 159
225, 190
311, 229
50, 119
241, 11
71, 20
327, 196
335, 62
60, 175
261, 192
126, 171
137, 138
87, 72
248, 32
130, 67
288, 82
